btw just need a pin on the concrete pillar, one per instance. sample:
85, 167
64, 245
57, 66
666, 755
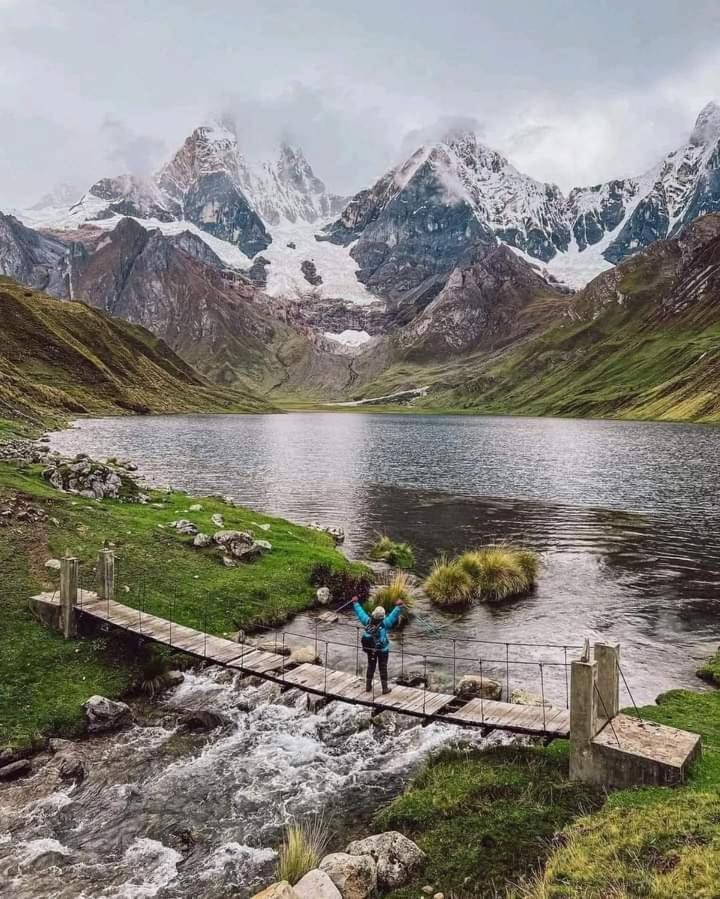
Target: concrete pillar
607, 656
68, 595
583, 718
106, 574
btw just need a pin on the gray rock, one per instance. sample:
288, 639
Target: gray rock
264, 545
104, 715
275, 647
355, 876
472, 685
202, 540
323, 596
397, 858
304, 655
53, 564
316, 885
183, 526
222, 538
523, 697
14, 770
218, 520
202, 720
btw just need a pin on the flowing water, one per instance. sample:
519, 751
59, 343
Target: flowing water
625, 516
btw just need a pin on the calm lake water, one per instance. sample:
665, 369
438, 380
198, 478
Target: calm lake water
626, 515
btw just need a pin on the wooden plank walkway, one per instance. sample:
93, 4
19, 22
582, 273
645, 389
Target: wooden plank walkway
336, 685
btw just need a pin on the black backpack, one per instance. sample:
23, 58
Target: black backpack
371, 638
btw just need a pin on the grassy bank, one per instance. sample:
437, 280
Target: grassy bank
43, 679
508, 822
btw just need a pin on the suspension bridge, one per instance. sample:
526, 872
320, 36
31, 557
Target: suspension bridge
606, 746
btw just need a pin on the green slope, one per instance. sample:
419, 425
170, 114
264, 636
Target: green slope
640, 342
59, 359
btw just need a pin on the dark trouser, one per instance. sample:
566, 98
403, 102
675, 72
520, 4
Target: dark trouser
373, 658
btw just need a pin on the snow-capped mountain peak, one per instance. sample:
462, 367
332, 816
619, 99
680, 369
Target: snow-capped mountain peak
707, 127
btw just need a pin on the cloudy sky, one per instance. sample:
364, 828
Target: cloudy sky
574, 92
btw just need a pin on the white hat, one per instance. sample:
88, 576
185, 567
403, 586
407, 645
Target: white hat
378, 613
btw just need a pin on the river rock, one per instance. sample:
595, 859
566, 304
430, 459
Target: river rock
105, 715
316, 885
218, 520
265, 545
396, 857
473, 685
523, 697
414, 677
281, 890
355, 876
304, 655
323, 596
70, 766
202, 720
21, 768
202, 540
274, 646
195, 508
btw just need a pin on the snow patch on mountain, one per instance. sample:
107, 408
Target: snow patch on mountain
349, 338
294, 243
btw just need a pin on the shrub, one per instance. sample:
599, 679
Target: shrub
341, 583
400, 555
389, 594
501, 571
448, 584
302, 849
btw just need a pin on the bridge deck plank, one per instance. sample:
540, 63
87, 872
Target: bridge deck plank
340, 685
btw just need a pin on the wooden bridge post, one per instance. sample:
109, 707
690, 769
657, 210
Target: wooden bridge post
607, 656
583, 718
68, 595
106, 574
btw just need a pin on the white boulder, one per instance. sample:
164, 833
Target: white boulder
396, 857
317, 885
355, 876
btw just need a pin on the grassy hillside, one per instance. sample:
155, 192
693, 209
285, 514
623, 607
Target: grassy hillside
641, 341
44, 679
508, 822
59, 359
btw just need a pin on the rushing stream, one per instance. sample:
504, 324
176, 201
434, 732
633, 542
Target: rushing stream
168, 814
626, 517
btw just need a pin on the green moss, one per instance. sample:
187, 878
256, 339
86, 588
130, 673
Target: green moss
709, 671
44, 679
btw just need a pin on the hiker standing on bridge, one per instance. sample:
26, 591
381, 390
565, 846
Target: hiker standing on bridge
375, 641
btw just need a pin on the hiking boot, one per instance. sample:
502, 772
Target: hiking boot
386, 690
368, 687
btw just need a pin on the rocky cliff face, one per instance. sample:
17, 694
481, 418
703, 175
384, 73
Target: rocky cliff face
491, 299
32, 258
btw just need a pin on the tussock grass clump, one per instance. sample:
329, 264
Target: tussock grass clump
493, 572
499, 572
449, 584
302, 849
400, 555
389, 594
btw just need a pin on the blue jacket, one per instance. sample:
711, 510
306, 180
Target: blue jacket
388, 622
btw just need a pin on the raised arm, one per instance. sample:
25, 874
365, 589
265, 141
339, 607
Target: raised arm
393, 618
360, 613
